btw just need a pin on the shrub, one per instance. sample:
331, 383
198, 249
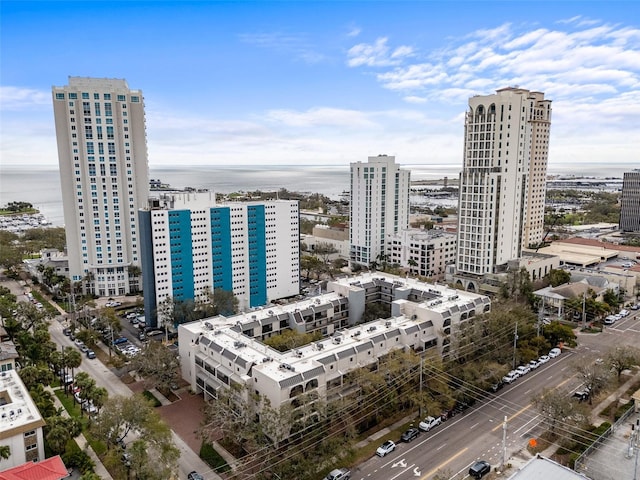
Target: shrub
213, 458
149, 396
75, 458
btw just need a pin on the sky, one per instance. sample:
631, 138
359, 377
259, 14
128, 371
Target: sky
323, 83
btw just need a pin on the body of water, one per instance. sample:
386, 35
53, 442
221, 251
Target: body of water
40, 185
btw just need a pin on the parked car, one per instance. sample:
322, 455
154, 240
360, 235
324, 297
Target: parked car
91, 354
510, 377
429, 423
89, 407
152, 333
533, 364
543, 359
339, 474
194, 476
66, 332
624, 312
523, 370
126, 459
554, 352
609, 320
386, 447
120, 340
479, 469
410, 435
582, 394
496, 386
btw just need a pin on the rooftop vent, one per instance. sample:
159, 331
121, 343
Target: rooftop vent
208, 325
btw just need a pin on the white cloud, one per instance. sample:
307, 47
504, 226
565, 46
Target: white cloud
377, 54
354, 31
18, 98
321, 116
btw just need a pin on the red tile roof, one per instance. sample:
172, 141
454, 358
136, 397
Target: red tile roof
50, 469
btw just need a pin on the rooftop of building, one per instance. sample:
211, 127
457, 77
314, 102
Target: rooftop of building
225, 335
540, 467
8, 350
18, 412
50, 469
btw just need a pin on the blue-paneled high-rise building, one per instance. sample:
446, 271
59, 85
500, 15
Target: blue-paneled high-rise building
191, 245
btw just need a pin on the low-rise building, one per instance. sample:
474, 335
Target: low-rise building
50, 469
422, 252
8, 354
20, 422
218, 353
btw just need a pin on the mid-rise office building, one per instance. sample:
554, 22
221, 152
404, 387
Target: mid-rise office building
20, 422
192, 245
102, 153
630, 202
503, 182
379, 207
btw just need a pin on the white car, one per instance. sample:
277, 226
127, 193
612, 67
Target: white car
543, 359
429, 423
523, 370
533, 364
510, 377
554, 352
386, 447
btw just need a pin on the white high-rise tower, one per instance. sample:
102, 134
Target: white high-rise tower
104, 174
379, 206
503, 182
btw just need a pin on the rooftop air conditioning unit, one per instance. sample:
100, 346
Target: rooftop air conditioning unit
208, 325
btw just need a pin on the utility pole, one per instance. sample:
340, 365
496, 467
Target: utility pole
515, 341
504, 443
420, 395
584, 310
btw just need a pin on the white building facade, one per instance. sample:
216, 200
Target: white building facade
379, 207
503, 182
218, 353
190, 245
20, 422
422, 252
104, 174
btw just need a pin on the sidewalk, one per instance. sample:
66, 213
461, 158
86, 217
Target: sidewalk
82, 442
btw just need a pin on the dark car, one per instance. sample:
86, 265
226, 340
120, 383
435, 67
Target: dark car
479, 469
194, 476
66, 331
120, 340
496, 386
410, 435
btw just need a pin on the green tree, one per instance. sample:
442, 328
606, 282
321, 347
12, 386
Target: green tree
59, 430
558, 277
622, 358
157, 365
5, 452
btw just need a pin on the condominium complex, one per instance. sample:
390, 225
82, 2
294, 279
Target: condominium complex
630, 202
502, 185
220, 353
20, 422
379, 206
191, 245
422, 252
102, 152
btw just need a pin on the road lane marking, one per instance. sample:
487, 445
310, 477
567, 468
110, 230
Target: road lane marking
441, 447
474, 426
429, 474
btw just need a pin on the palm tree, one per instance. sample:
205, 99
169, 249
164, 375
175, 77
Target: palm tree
5, 452
72, 359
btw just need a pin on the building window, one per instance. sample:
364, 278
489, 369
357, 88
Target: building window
59, 96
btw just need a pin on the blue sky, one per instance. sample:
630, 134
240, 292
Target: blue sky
236, 82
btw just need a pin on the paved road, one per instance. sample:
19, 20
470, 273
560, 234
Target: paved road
457, 443
104, 377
